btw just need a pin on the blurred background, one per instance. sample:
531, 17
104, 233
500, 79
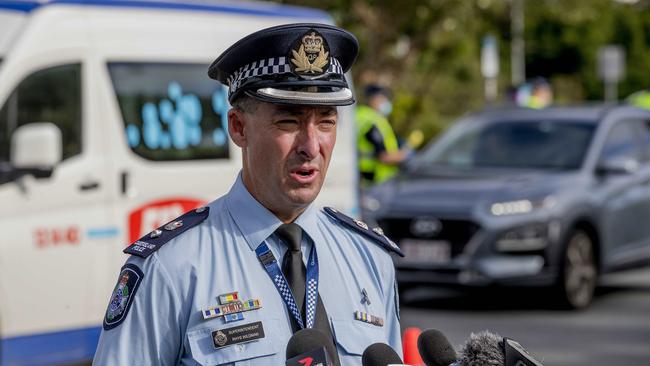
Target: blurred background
429, 52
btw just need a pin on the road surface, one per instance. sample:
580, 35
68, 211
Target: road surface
614, 330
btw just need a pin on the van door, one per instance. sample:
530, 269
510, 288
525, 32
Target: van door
173, 152
50, 226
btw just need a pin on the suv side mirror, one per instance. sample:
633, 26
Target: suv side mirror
36, 148
618, 165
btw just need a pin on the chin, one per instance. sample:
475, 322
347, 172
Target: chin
304, 196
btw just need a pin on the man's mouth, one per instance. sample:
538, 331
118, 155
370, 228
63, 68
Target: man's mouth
304, 175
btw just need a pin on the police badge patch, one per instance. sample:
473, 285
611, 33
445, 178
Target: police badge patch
123, 294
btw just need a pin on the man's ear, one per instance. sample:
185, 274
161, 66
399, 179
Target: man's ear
236, 121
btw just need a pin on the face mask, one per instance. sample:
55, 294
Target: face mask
385, 108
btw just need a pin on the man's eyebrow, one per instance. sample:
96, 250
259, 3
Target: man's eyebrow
300, 111
329, 111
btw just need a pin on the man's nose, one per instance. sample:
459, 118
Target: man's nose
307, 142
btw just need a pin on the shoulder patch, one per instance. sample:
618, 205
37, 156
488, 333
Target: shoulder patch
376, 234
151, 242
122, 296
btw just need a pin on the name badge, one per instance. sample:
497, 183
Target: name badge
239, 334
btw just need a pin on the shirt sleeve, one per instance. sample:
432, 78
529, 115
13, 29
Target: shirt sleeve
376, 139
150, 332
392, 313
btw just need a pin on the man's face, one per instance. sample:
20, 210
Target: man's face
286, 152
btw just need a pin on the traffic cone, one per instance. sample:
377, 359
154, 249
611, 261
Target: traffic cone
410, 347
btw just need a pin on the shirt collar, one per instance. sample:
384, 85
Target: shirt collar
256, 222
308, 221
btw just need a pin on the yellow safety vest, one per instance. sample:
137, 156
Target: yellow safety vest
366, 118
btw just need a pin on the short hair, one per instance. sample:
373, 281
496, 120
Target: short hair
373, 89
245, 103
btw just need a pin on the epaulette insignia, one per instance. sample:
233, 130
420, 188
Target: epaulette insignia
151, 242
377, 234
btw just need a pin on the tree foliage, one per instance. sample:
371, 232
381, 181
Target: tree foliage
428, 52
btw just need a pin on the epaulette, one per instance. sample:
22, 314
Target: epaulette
148, 244
376, 234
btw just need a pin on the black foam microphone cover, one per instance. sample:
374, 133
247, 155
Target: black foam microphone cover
435, 349
380, 354
309, 339
483, 348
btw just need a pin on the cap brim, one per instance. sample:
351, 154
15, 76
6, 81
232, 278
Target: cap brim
339, 97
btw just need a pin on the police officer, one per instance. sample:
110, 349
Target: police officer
378, 146
229, 283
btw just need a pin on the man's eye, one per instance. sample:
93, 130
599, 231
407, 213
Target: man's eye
327, 123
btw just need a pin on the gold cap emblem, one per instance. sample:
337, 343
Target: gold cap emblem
310, 55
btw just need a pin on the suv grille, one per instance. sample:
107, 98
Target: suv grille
456, 232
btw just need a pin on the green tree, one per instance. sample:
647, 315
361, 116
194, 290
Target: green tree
428, 52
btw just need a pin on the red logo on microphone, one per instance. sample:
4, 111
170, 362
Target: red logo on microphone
306, 361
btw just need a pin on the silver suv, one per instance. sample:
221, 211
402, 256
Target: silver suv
549, 197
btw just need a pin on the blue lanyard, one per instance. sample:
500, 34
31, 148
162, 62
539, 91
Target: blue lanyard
270, 264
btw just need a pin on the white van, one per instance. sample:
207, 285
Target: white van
12, 19
109, 127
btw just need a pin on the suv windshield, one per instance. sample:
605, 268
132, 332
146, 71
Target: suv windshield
547, 144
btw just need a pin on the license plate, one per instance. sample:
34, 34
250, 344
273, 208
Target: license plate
425, 251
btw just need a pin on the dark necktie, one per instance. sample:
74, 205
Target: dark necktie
295, 272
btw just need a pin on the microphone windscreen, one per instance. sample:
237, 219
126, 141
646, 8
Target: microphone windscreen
483, 348
309, 339
435, 349
380, 354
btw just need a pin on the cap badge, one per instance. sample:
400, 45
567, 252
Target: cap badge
312, 56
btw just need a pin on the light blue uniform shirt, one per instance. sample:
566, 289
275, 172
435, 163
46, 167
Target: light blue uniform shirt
165, 326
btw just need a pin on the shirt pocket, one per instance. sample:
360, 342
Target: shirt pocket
204, 352
354, 336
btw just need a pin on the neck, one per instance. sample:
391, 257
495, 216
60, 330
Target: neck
287, 214
286, 217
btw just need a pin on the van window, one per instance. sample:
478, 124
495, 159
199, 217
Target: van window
48, 95
171, 111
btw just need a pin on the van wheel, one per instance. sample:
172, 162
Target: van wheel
579, 274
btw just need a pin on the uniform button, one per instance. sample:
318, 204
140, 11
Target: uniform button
174, 225
361, 224
240, 347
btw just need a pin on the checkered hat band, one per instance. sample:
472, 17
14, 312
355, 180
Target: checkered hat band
271, 66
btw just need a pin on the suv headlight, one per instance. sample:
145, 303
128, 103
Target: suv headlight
524, 239
521, 206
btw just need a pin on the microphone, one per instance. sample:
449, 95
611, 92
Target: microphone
435, 349
311, 347
485, 348
380, 354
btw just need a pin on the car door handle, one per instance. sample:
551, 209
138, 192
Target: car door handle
88, 186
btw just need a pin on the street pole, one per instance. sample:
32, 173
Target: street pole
611, 69
517, 46
490, 67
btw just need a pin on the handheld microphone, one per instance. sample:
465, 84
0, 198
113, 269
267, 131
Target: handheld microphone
435, 349
487, 348
311, 347
380, 354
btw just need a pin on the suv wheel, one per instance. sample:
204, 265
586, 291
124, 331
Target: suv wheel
579, 275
